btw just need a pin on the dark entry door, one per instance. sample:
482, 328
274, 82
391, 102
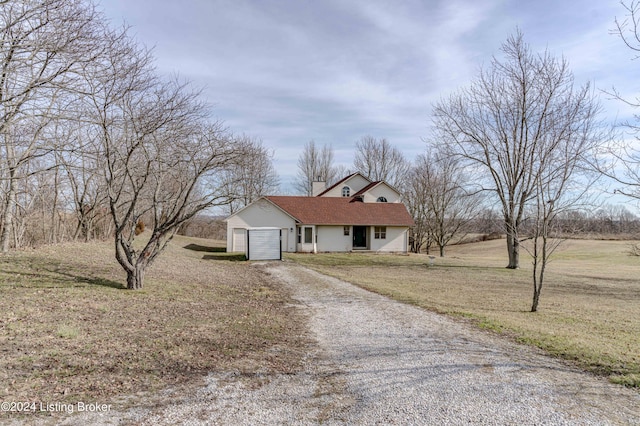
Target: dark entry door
359, 237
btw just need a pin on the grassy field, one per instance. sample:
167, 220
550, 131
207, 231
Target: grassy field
69, 332
589, 311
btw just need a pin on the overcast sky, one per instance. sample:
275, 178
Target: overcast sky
335, 70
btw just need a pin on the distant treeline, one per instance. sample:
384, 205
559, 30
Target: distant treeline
612, 220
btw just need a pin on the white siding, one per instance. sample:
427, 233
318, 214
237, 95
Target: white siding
284, 239
262, 213
332, 238
356, 183
329, 238
381, 190
396, 240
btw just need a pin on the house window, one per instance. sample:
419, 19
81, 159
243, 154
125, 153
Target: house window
299, 235
346, 191
346, 230
381, 200
380, 232
308, 234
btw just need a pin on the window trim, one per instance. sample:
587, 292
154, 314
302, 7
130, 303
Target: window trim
346, 230
346, 191
380, 232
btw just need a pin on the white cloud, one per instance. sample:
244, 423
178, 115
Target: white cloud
291, 71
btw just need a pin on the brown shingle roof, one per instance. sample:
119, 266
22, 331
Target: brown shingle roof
342, 211
366, 188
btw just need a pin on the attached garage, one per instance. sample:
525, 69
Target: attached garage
263, 244
370, 217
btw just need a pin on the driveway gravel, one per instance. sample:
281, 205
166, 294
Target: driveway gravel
378, 361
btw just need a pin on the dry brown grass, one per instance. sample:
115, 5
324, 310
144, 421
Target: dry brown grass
69, 332
589, 309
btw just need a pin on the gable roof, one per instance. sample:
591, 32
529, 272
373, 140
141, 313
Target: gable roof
373, 185
366, 188
342, 211
344, 179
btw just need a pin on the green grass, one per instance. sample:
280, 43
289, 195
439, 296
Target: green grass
589, 310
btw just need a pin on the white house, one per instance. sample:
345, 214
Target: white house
353, 214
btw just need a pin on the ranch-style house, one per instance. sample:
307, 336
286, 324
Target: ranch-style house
353, 214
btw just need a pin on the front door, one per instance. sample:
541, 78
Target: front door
359, 237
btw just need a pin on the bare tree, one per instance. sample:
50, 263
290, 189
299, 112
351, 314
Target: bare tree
161, 162
43, 42
621, 162
378, 160
37, 219
450, 207
625, 167
435, 197
543, 245
512, 120
628, 28
487, 222
163, 172
557, 191
415, 193
88, 192
315, 164
253, 176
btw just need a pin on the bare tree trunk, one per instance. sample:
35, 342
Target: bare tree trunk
128, 259
536, 294
54, 209
135, 277
513, 248
46, 239
537, 288
7, 220
539, 266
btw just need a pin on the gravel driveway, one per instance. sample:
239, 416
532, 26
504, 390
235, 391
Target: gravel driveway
382, 362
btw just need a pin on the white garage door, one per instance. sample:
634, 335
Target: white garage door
263, 244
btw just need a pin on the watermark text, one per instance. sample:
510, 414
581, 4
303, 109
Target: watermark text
53, 407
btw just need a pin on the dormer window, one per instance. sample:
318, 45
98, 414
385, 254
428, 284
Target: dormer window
346, 191
381, 200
